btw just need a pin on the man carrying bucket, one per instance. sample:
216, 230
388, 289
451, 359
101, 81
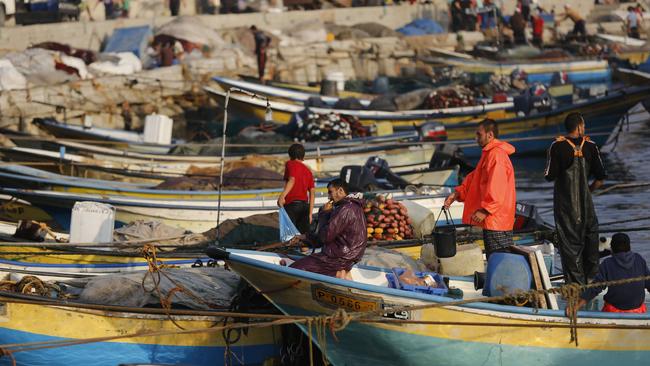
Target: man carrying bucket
489, 190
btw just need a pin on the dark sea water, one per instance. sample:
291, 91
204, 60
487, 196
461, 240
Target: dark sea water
628, 161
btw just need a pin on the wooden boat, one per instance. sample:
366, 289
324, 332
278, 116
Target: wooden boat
276, 92
401, 158
12, 176
532, 134
110, 146
306, 88
194, 215
34, 319
579, 71
470, 334
92, 133
282, 112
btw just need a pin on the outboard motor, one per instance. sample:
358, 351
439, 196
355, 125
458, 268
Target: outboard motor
536, 97
527, 217
381, 170
448, 155
433, 131
358, 178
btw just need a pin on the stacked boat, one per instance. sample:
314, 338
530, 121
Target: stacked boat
529, 133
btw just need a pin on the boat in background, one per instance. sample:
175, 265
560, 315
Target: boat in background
283, 112
194, 215
578, 71
277, 92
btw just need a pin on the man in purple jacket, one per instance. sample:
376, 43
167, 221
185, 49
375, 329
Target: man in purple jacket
341, 234
626, 298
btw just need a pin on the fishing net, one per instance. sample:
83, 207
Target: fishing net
193, 288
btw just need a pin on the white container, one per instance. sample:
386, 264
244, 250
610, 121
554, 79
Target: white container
338, 77
158, 129
92, 222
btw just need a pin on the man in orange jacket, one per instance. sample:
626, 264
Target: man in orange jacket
489, 190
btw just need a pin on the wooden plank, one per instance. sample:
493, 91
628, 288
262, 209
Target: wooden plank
546, 281
534, 268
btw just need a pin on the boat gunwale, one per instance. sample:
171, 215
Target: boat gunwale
239, 256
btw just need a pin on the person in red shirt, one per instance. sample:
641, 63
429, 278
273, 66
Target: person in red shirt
297, 198
538, 28
489, 190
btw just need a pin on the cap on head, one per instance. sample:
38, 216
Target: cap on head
620, 243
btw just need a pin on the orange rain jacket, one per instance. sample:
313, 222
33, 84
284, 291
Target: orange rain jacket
491, 186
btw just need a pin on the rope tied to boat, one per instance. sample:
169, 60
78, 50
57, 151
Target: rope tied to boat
339, 320
571, 293
5, 352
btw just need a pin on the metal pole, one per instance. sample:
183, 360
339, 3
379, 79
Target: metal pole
223, 145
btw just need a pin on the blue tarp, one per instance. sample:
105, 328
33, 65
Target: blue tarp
420, 27
131, 39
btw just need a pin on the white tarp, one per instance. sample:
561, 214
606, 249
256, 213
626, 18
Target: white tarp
122, 63
38, 66
192, 29
10, 78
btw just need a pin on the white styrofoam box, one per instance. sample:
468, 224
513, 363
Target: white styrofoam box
158, 129
92, 222
338, 77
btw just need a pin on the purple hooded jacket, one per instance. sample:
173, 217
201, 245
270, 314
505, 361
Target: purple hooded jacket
341, 234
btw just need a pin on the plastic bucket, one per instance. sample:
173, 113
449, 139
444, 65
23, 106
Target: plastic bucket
444, 241
338, 77
328, 88
444, 238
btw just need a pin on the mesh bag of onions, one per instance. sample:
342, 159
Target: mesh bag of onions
387, 219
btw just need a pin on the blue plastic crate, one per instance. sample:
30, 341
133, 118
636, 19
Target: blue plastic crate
393, 281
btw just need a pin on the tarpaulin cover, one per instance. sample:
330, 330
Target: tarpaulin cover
131, 39
247, 231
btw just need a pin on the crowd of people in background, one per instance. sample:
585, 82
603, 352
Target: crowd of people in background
115, 9
487, 16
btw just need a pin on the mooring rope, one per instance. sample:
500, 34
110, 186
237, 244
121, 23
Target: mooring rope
340, 319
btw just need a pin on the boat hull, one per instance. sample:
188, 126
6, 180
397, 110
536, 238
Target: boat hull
494, 343
26, 323
197, 216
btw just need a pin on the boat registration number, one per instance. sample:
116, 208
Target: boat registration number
337, 299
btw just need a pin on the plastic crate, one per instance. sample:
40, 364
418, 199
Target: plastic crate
393, 281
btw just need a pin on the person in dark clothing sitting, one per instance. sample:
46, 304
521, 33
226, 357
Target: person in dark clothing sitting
341, 234
624, 263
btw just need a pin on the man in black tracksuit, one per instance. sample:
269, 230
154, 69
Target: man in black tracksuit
623, 264
571, 160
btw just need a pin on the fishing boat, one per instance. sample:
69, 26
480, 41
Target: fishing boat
465, 334
277, 92
194, 215
15, 176
92, 133
141, 151
533, 133
282, 112
578, 71
401, 158
103, 334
